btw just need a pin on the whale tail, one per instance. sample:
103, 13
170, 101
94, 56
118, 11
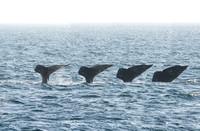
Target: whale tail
168, 74
127, 75
47, 71
90, 73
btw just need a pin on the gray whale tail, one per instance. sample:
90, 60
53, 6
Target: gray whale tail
47, 71
127, 75
168, 74
90, 73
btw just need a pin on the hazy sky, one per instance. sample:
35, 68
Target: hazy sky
98, 11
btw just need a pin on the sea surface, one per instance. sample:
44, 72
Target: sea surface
68, 103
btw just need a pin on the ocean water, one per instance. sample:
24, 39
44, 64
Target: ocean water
68, 103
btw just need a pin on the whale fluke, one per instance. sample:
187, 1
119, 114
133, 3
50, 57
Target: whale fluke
127, 75
168, 74
90, 73
47, 71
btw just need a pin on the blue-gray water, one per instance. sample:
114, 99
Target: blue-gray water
68, 103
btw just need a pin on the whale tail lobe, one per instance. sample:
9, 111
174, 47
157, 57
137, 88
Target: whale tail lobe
127, 75
90, 73
47, 71
168, 74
